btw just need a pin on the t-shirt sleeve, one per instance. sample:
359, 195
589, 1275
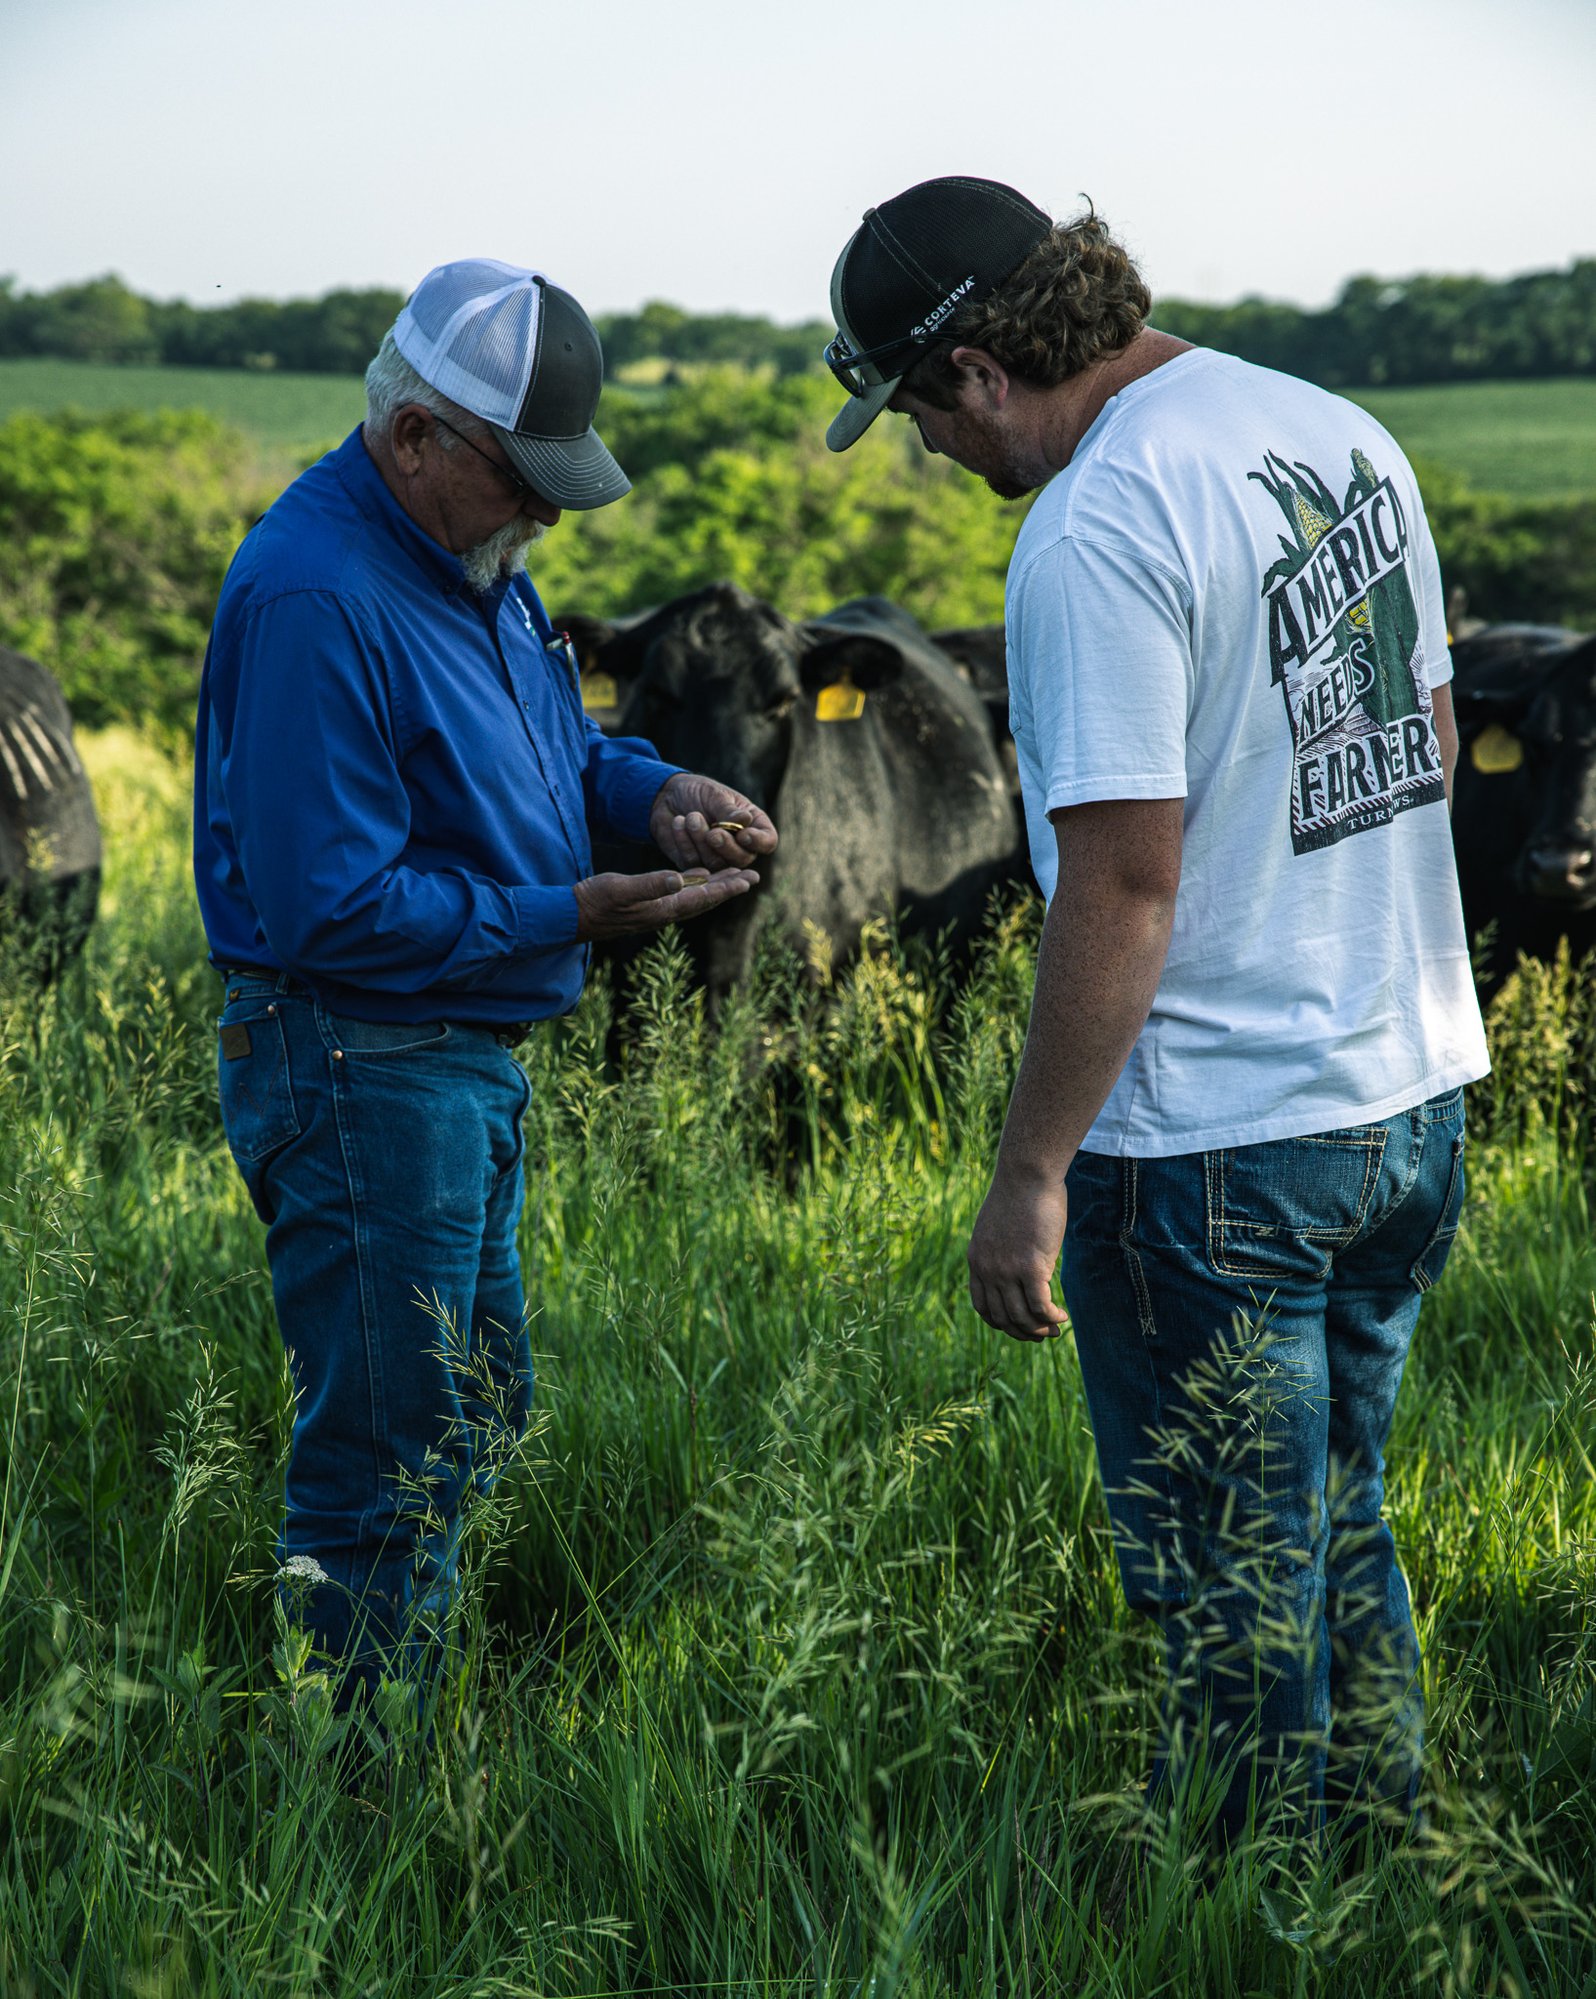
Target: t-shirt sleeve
1426, 571
1100, 672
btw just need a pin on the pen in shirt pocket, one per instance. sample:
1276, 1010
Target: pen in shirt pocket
560, 645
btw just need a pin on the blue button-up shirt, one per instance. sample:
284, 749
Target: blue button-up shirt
394, 777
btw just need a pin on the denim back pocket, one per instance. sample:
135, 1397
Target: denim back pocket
359, 1039
257, 1097
1280, 1210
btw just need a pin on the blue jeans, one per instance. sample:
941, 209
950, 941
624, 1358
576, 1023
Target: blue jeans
385, 1161
1243, 1318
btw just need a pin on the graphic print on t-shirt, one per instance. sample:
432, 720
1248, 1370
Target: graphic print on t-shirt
1344, 650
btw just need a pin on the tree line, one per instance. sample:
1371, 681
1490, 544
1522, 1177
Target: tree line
1377, 333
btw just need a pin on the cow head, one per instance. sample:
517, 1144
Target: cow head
721, 681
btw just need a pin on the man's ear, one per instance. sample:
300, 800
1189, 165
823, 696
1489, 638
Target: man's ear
984, 373
409, 434
868, 662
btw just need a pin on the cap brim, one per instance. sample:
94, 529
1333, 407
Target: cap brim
573, 472
858, 413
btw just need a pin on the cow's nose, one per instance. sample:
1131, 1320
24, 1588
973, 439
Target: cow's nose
1561, 872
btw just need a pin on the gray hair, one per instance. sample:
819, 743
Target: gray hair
391, 382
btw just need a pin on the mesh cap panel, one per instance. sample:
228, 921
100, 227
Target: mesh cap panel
470, 329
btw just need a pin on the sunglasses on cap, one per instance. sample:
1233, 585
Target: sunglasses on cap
847, 362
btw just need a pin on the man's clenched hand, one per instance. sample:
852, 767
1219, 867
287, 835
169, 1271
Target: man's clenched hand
697, 822
1014, 1251
621, 905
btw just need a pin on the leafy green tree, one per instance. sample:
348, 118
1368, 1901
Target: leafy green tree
115, 534
734, 480
666, 332
98, 321
1513, 559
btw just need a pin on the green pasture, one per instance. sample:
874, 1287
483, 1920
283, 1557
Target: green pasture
794, 1660
1535, 440
289, 415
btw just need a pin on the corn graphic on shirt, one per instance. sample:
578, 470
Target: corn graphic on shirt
1231, 596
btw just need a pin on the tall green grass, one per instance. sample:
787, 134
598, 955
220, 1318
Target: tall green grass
794, 1659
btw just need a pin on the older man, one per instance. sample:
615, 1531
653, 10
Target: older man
395, 789
1253, 1009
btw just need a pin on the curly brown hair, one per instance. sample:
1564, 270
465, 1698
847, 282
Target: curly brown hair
1076, 299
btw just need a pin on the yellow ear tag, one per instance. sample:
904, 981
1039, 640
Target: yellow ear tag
599, 690
840, 702
1494, 751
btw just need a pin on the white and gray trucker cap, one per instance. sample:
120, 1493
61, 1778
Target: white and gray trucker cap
521, 354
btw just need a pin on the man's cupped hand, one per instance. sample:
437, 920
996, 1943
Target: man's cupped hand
698, 822
623, 905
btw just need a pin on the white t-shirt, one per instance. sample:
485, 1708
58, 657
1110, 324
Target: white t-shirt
1230, 595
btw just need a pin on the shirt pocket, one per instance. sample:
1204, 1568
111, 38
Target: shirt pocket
1281, 1210
257, 1097
563, 673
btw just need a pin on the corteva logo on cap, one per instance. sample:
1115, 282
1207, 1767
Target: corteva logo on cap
939, 313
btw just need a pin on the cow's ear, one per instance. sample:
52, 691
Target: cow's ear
868, 662
588, 635
609, 658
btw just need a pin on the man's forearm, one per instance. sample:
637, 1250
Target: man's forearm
1102, 954
1103, 949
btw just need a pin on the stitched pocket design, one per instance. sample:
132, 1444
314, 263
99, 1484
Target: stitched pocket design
1132, 1255
257, 1097
1281, 1210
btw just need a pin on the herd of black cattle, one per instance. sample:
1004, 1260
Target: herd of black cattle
883, 754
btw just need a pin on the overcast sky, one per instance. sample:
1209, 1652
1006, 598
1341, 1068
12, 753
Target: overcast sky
718, 153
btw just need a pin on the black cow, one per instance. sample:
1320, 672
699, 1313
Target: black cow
49, 836
899, 804
1524, 798
982, 653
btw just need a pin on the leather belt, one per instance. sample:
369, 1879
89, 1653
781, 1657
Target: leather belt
277, 978
508, 1034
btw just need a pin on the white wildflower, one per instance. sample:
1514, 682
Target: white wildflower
303, 1569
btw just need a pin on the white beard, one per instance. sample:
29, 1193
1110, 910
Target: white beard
502, 554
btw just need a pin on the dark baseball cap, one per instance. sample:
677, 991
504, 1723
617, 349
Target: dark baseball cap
906, 269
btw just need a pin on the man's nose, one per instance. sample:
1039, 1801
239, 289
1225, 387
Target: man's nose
538, 509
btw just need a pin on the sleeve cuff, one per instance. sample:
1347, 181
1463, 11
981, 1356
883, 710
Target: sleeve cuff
632, 792
546, 918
